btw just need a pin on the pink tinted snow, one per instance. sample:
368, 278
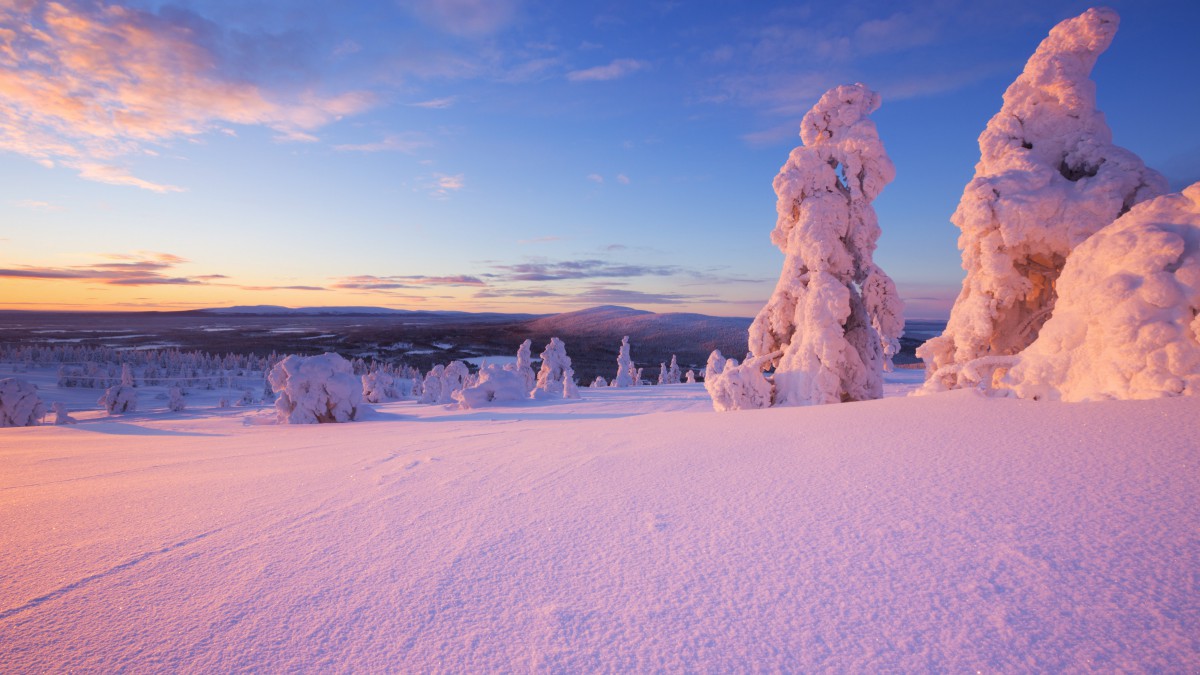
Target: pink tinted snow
942, 533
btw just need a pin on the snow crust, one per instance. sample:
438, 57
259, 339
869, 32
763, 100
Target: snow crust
316, 389
1126, 322
1048, 177
900, 535
20, 405
835, 319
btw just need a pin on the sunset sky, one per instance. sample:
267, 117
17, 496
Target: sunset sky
502, 155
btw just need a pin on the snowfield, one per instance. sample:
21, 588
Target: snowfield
631, 530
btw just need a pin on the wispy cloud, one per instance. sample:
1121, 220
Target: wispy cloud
465, 18
435, 103
408, 143
89, 84
595, 178
369, 282
541, 270
36, 205
443, 184
539, 240
142, 269
617, 69
623, 179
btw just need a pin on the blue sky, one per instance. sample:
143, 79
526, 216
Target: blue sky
503, 155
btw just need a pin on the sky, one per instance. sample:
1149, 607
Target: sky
501, 155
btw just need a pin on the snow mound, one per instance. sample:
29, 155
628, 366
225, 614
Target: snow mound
1048, 177
1126, 322
20, 405
738, 387
835, 319
316, 389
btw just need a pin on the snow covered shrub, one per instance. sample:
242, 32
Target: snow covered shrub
1127, 321
1048, 177
442, 381
316, 389
120, 398
20, 405
626, 374
834, 320
175, 402
690, 378
494, 384
431, 387
737, 387
598, 382
555, 373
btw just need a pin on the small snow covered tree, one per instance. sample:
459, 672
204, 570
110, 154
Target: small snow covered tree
673, 371
120, 398
736, 387
61, 416
1048, 177
431, 386
378, 386
1127, 321
662, 372
175, 402
626, 374
20, 405
524, 366
690, 378
316, 389
570, 389
835, 319
455, 377
555, 365
495, 384
598, 382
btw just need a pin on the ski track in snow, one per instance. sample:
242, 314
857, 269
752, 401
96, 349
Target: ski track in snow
634, 530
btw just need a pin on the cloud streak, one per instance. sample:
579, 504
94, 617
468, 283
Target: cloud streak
613, 71
89, 85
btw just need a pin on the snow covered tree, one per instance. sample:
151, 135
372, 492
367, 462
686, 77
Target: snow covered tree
120, 398
673, 376
570, 389
1127, 321
1048, 177
494, 384
690, 378
378, 387
835, 319
431, 387
555, 366
626, 375
316, 389
598, 382
175, 402
20, 405
61, 416
662, 372
524, 366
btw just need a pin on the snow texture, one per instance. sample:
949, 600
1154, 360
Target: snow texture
1048, 177
555, 372
835, 319
632, 532
20, 405
316, 389
626, 374
120, 398
1128, 313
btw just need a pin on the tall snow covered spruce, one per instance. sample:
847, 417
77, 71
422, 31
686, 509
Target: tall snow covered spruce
626, 373
1048, 177
555, 379
835, 319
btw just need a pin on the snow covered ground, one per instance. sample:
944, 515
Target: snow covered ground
632, 530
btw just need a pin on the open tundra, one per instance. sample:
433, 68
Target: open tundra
630, 530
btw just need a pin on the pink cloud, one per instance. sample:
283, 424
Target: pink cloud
617, 69
87, 84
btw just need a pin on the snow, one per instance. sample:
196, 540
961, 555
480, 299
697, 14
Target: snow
834, 320
1048, 177
904, 534
1125, 324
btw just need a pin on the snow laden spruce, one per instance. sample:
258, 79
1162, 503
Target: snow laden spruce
316, 389
1048, 177
835, 319
20, 405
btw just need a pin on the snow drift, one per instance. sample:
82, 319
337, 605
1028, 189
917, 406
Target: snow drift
1048, 177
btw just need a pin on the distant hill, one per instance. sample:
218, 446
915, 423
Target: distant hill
659, 333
